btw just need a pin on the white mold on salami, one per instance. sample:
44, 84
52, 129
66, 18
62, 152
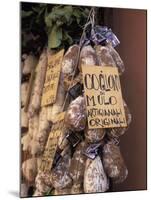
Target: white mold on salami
35, 103
104, 57
29, 169
113, 162
69, 63
94, 135
119, 131
75, 118
24, 91
29, 63
119, 62
95, 179
60, 174
87, 57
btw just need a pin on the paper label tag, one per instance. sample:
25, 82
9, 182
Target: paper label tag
52, 78
52, 142
103, 97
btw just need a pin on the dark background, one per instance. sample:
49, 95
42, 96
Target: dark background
130, 27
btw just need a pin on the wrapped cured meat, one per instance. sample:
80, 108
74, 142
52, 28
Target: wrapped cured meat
62, 191
29, 168
75, 118
43, 123
113, 162
94, 135
62, 141
28, 140
30, 62
60, 174
24, 91
76, 159
34, 106
77, 188
95, 179
42, 183
24, 190
24, 120
87, 57
77, 166
69, 63
25, 141
41, 136
104, 57
119, 62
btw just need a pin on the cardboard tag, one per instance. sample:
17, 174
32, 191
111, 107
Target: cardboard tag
52, 78
103, 97
52, 142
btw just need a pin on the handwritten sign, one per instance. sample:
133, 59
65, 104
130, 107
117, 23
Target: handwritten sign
52, 78
51, 146
103, 97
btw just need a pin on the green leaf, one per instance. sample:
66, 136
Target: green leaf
26, 13
36, 9
68, 11
55, 37
59, 23
67, 38
48, 20
77, 13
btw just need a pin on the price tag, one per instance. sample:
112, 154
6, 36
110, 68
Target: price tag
52, 78
52, 142
103, 97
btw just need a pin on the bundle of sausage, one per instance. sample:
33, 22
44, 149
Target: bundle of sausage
86, 160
